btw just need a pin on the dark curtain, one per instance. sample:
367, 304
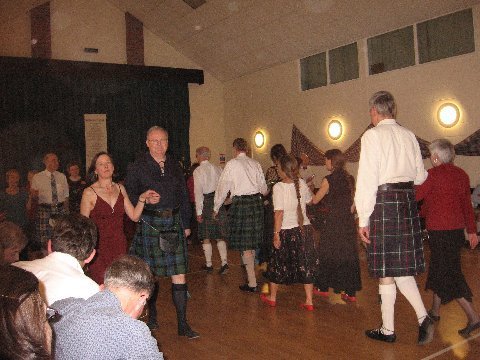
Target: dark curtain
42, 104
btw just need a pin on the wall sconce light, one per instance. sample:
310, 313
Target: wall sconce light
335, 129
448, 115
259, 139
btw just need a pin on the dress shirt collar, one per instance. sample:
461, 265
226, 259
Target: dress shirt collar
242, 154
66, 259
386, 122
204, 162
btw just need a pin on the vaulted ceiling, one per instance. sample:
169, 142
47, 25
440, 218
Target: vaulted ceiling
231, 38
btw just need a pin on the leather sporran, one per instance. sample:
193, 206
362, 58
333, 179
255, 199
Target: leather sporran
169, 240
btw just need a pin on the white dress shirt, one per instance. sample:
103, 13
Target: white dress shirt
241, 176
285, 198
389, 154
205, 180
42, 183
60, 276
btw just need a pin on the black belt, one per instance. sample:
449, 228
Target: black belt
50, 206
210, 194
408, 185
248, 196
164, 213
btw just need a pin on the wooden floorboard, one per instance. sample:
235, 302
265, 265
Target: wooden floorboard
235, 325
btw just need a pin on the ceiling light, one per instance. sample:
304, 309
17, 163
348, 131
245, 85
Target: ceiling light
335, 129
448, 115
259, 139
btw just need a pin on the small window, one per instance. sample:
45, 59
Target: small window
390, 51
314, 71
343, 63
446, 36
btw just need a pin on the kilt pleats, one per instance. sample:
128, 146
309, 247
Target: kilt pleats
246, 222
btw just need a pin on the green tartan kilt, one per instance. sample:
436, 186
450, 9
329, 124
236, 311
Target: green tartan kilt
145, 245
246, 222
212, 228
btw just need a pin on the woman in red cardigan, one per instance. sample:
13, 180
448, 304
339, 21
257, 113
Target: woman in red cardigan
448, 211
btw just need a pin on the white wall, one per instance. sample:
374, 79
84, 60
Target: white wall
272, 100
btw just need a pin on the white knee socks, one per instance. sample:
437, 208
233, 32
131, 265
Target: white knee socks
248, 258
207, 249
222, 249
408, 287
388, 294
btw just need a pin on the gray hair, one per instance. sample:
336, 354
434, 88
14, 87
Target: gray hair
156, 128
129, 272
444, 150
384, 103
203, 152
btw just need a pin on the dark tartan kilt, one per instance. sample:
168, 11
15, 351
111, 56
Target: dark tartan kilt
396, 247
43, 230
246, 222
212, 228
145, 245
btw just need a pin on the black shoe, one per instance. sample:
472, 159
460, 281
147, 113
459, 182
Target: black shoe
465, 332
208, 269
433, 317
152, 325
377, 334
223, 270
425, 331
188, 332
247, 288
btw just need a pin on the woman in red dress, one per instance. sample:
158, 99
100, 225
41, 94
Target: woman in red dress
105, 202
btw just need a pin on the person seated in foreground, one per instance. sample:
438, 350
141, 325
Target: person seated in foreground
74, 237
25, 332
105, 326
12, 242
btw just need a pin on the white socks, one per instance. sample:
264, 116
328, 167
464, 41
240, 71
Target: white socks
207, 249
222, 249
408, 287
248, 258
388, 294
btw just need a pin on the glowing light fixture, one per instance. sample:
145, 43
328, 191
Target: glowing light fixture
448, 115
259, 139
335, 129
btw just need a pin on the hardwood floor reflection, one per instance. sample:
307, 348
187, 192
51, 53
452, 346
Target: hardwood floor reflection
235, 325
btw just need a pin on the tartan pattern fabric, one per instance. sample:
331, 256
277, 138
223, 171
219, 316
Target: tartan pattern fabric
43, 230
145, 245
212, 228
396, 247
246, 222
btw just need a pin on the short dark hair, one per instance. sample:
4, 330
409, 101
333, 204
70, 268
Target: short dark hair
337, 158
129, 272
277, 152
240, 144
75, 235
22, 314
11, 235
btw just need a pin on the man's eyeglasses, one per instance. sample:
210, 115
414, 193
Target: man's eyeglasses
158, 142
52, 315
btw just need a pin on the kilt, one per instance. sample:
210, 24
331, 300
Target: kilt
396, 247
246, 222
146, 246
212, 228
43, 230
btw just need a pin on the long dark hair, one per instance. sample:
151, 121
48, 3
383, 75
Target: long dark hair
338, 160
22, 316
290, 167
277, 152
91, 176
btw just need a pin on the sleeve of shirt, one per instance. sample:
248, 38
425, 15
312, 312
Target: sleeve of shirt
421, 191
145, 345
198, 191
476, 196
185, 208
223, 187
306, 192
66, 191
131, 184
468, 213
367, 178
421, 172
34, 185
278, 198
263, 189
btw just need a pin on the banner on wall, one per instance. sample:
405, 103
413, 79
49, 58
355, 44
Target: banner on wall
95, 135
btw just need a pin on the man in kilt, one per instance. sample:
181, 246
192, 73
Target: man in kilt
167, 215
205, 180
390, 165
243, 178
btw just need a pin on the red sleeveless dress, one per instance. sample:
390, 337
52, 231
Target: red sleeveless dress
112, 242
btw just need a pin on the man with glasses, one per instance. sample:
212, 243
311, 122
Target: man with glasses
165, 223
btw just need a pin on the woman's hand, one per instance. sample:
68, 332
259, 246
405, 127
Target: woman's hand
276, 241
473, 238
150, 197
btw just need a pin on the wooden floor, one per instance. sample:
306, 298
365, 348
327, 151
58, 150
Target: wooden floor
236, 325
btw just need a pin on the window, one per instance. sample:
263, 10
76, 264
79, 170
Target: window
313, 71
390, 51
446, 36
343, 63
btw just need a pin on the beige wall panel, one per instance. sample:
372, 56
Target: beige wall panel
15, 37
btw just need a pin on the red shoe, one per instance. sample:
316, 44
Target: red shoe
267, 301
348, 298
306, 307
320, 293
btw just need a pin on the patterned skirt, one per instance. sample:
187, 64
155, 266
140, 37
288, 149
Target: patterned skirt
396, 247
296, 261
246, 222
146, 245
212, 228
43, 230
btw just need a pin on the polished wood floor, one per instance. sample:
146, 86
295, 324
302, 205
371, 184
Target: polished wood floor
235, 325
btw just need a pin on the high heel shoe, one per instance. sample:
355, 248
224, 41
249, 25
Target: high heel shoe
320, 293
349, 299
306, 307
267, 301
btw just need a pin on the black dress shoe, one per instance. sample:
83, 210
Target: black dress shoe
223, 270
247, 288
377, 334
208, 269
188, 332
433, 317
425, 331
465, 332
153, 325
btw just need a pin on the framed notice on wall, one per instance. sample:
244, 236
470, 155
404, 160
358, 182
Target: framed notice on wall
95, 135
